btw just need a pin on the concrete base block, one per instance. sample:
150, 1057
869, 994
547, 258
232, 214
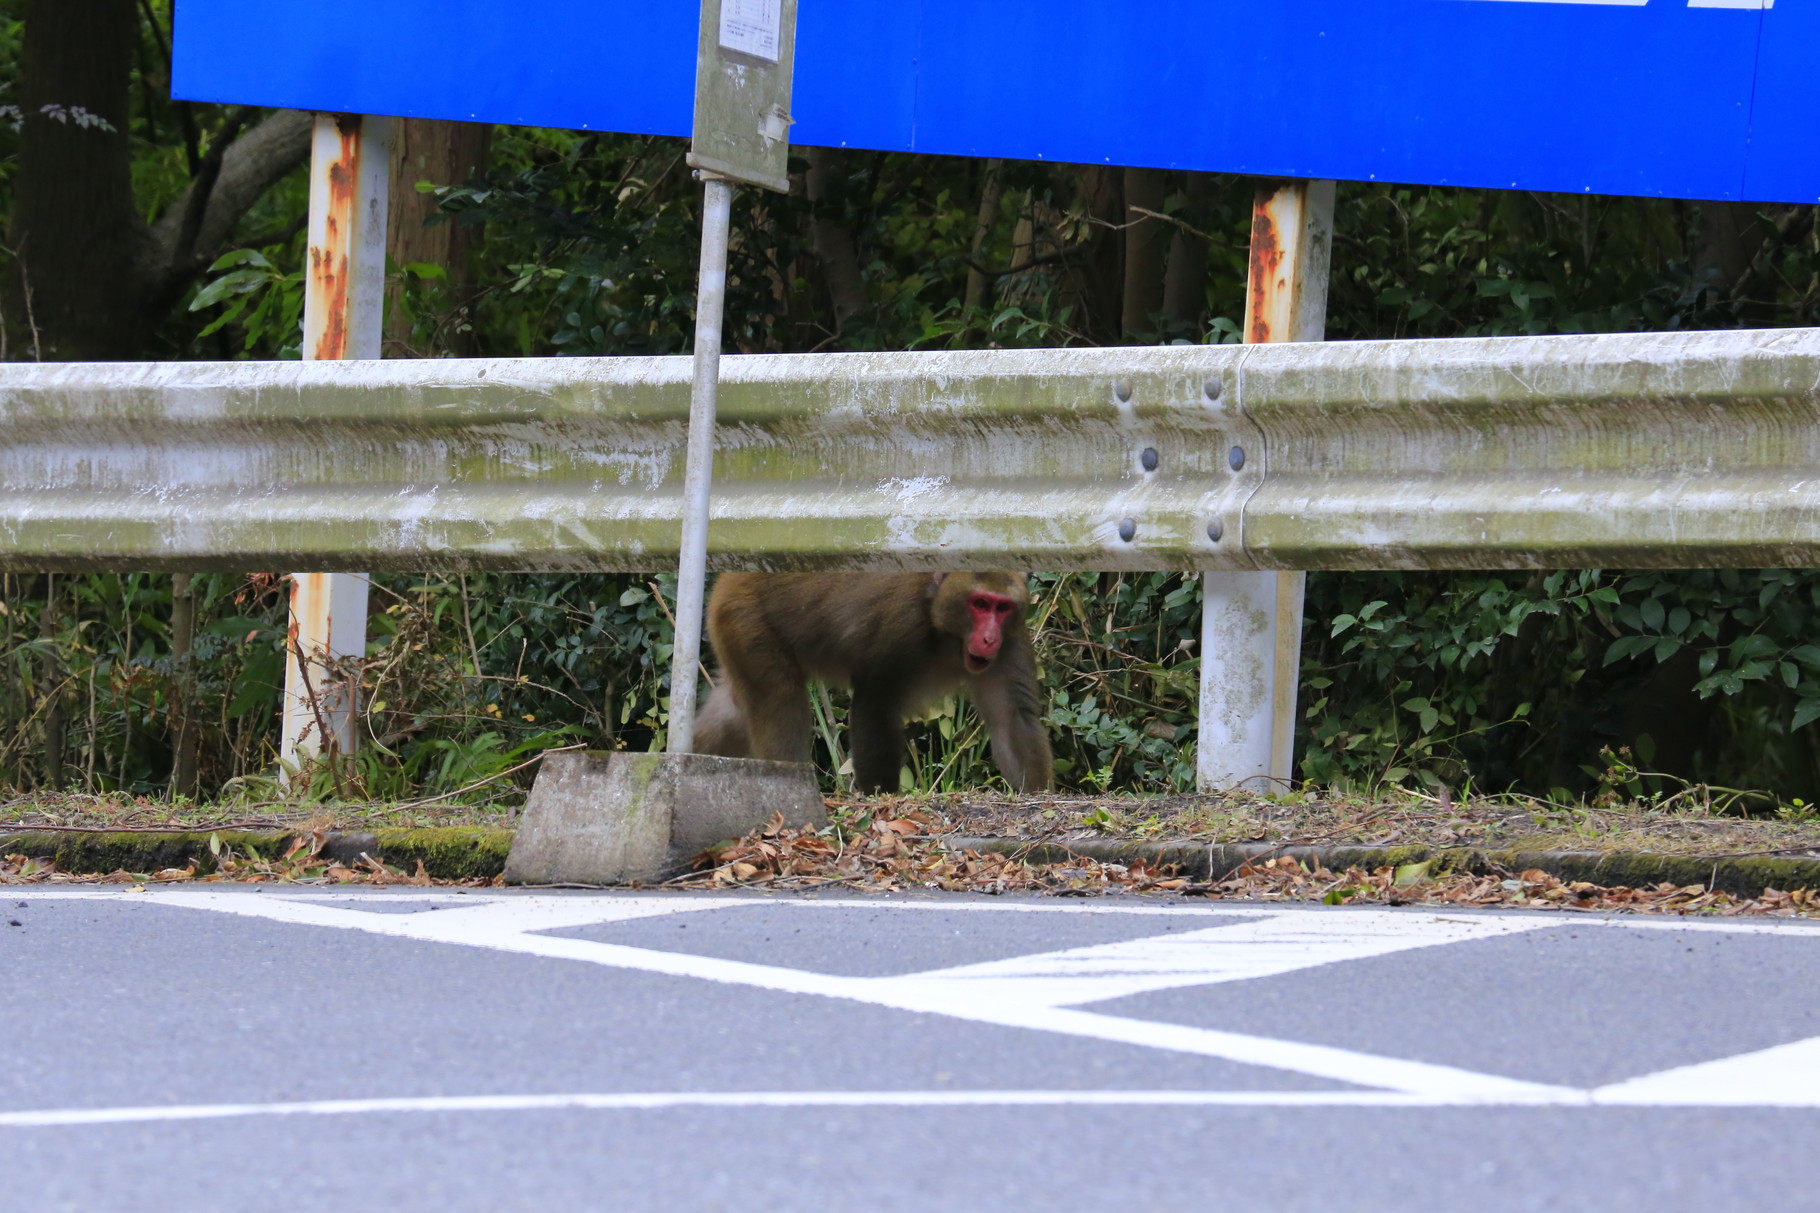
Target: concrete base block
596, 817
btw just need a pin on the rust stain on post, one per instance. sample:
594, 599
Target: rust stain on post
1249, 727
350, 156
1263, 282
329, 282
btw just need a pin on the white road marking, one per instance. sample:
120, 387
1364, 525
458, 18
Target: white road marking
638, 1101
1786, 1076
678, 902
1724, 926
1280, 942
1044, 991
484, 916
1446, 1083
682, 902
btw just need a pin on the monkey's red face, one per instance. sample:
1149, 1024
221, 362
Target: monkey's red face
990, 612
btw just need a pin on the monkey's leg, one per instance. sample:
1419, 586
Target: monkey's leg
721, 726
783, 730
877, 728
1008, 697
775, 708
760, 708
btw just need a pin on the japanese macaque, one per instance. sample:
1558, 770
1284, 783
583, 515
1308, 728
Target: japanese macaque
899, 640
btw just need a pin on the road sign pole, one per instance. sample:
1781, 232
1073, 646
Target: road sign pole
1251, 622
344, 297
636, 816
692, 567
743, 64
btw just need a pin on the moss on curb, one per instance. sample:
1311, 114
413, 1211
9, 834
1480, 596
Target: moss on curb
448, 853
1741, 876
479, 853
100, 852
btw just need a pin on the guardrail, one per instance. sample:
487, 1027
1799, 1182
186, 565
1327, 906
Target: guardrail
1633, 450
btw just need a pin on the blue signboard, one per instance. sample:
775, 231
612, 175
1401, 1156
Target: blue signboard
1679, 98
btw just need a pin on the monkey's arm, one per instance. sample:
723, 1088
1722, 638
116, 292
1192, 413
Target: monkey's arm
1009, 699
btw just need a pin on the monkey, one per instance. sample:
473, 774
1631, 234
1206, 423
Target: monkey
898, 640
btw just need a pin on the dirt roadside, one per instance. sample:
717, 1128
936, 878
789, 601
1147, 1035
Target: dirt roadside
1681, 857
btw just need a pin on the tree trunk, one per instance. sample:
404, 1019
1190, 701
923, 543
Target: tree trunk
1185, 281
182, 691
833, 238
441, 153
52, 673
1098, 278
1023, 235
1145, 241
75, 230
1729, 235
992, 193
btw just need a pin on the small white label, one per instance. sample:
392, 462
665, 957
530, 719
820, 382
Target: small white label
773, 125
751, 27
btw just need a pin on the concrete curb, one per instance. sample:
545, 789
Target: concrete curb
447, 852
1739, 875
469, 852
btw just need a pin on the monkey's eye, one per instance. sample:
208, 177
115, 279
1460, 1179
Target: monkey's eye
982, 603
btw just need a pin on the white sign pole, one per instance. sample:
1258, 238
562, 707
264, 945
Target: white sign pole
742, 120
692, 567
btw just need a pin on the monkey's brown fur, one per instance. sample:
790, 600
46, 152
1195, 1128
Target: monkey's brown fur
899, 640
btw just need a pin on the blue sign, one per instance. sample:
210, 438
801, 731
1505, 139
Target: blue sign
1678, 98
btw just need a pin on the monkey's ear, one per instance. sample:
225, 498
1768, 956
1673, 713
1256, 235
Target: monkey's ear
935, 583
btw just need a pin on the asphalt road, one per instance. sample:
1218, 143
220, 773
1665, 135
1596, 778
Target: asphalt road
237, 1049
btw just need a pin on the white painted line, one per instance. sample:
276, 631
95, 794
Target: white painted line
1003, 905
1277, 943
1443, 1083
1679, 1093
687, 900
1786, 1076
1044, 991
77, 1117
1283, 941
508, 915
680, 901
1725, 926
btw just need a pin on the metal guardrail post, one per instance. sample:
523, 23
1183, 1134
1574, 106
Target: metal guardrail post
344, 299
1251, 622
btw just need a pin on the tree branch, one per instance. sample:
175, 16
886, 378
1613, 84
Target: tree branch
196, 227
202, 186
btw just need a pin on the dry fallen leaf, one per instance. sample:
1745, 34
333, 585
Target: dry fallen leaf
882, 856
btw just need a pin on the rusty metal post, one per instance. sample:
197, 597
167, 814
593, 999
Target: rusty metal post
1251, 622
350, 169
